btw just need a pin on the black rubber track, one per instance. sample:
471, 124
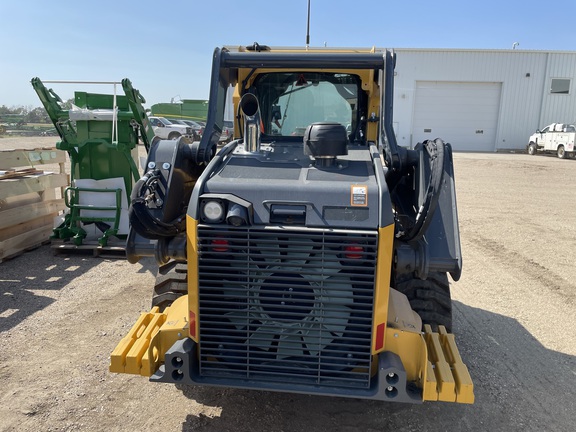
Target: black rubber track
429, 298
171, 283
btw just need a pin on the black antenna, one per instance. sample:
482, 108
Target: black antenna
308, 27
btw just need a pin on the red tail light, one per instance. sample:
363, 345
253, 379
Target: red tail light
220, 245
353, 252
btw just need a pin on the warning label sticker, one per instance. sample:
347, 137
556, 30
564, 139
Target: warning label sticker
359, 195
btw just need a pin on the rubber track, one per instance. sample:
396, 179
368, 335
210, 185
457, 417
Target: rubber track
430, 299
171, 283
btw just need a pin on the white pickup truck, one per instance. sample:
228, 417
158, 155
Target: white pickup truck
165, 129
557, 137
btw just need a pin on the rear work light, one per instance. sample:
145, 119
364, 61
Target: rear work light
213, 211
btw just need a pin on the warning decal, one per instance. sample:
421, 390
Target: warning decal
359, 195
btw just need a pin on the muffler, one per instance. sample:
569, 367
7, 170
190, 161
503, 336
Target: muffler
251, 111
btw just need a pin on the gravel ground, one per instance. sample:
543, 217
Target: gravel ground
61, 316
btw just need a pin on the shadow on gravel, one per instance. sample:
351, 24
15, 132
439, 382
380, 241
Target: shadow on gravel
519, 386
22, 278
146, 265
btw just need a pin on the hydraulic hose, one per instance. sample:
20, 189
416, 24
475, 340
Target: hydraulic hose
141, 218
436, 152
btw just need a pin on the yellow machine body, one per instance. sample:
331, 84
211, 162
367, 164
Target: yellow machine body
247, 218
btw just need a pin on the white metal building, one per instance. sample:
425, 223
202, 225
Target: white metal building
481, 100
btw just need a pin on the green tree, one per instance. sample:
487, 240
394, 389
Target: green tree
37, 115
4, 110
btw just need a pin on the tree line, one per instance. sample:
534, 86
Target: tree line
21, 115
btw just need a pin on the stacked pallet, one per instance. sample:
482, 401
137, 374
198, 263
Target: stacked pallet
31, 196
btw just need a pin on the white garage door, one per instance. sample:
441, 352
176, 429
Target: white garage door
464, 114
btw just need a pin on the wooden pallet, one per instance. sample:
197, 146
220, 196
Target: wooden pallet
14, 173
22, 251
30, 198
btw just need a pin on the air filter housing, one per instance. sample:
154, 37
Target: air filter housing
325, 141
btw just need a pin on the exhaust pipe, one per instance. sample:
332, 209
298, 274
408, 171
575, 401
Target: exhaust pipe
251, 111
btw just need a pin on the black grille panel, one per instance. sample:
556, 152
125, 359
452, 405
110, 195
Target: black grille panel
289, 306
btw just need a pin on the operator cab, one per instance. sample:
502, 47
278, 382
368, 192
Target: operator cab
291, 101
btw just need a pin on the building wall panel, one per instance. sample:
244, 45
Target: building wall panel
524, 76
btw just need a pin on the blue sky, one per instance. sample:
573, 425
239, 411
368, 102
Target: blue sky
165, 47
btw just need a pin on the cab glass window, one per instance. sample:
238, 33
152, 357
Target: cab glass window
290, 101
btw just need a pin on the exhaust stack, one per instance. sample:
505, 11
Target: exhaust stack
251, 111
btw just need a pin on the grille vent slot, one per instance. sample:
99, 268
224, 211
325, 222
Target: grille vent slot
290, 306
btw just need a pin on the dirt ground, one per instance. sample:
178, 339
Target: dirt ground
61, 316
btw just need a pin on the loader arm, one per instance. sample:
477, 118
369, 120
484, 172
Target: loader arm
135, 100
60, 117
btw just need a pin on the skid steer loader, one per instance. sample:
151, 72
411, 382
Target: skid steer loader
310, 254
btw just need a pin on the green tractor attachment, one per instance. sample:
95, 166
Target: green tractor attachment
100, 133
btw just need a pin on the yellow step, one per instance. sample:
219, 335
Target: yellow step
447, 378
132, 350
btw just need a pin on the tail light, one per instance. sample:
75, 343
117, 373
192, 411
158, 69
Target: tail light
220, 245
353, 252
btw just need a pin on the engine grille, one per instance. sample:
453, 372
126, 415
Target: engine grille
286, 306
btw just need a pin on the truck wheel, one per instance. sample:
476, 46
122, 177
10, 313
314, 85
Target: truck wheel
430, 299
174, 136
561, 152
532, 149
171, 283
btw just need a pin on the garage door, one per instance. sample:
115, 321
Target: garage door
462, 113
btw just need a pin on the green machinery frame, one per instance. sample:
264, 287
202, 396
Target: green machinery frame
101, 136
